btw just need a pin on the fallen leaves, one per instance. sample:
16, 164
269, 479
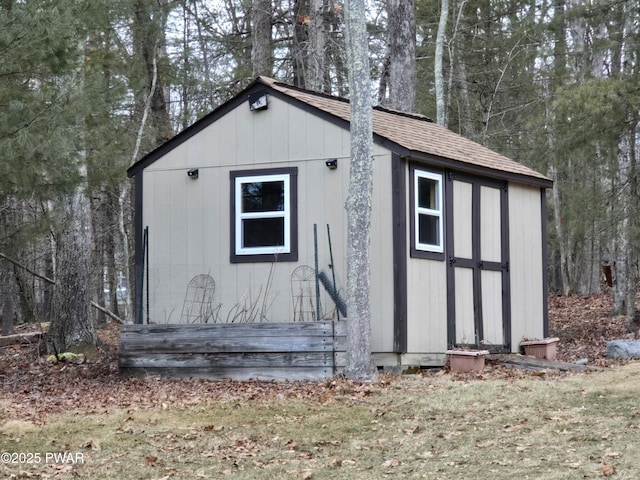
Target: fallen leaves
37, 388
584, 325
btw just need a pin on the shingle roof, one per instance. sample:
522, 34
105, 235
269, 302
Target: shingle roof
416, 133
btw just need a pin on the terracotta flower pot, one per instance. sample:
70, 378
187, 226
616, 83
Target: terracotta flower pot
466, 360
544, 349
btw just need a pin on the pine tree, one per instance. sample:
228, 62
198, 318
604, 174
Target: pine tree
38, 48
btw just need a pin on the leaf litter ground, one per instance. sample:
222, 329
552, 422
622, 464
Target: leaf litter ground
504, 423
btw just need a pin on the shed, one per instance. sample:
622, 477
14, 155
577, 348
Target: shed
240, 220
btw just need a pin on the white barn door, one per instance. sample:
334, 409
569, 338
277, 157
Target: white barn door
478, 302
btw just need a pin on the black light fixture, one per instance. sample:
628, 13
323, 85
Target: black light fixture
258, 101
332, 163
193, 173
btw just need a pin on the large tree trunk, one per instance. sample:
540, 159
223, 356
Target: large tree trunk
150, 44
402, 55
262, 43
359, 365
316, 47
299, 42
72, 327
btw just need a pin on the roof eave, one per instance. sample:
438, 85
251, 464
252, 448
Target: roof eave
436, 161
538, 181
195, 127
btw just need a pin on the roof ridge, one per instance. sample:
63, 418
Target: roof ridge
317, 93
415, 116
380, 108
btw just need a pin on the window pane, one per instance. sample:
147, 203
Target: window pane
428, 193
428, 230
263, 232
263, 197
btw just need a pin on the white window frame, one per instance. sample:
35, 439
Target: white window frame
241, 216
437, 212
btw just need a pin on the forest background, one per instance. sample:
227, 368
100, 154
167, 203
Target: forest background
88, 88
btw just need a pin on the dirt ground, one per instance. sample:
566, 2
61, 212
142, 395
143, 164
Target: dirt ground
34, 387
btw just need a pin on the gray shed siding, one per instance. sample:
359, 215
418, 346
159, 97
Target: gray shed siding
189, 219
189, 223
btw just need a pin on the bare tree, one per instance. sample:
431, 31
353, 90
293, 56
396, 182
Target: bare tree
359, 365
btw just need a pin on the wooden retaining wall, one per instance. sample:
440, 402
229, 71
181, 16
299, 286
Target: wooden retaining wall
243, 351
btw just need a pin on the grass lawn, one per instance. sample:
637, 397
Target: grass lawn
435, 426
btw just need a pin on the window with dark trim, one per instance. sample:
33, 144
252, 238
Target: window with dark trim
427, 214
264, 215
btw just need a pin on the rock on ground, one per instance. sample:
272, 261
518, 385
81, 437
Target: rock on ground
623, 349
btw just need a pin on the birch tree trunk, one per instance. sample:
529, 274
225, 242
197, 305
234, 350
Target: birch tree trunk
359, 366
439, 78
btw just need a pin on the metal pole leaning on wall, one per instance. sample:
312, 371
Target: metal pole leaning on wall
139, 317
315, 248
333, 269
146, 260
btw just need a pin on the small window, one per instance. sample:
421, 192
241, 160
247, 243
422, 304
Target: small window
263, 215
428, 228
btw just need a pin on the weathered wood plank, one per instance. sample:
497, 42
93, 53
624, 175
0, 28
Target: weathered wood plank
240, 374
340, 328
303, 350
239, 360
532, 363
165, 343
340, 344
278, 329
